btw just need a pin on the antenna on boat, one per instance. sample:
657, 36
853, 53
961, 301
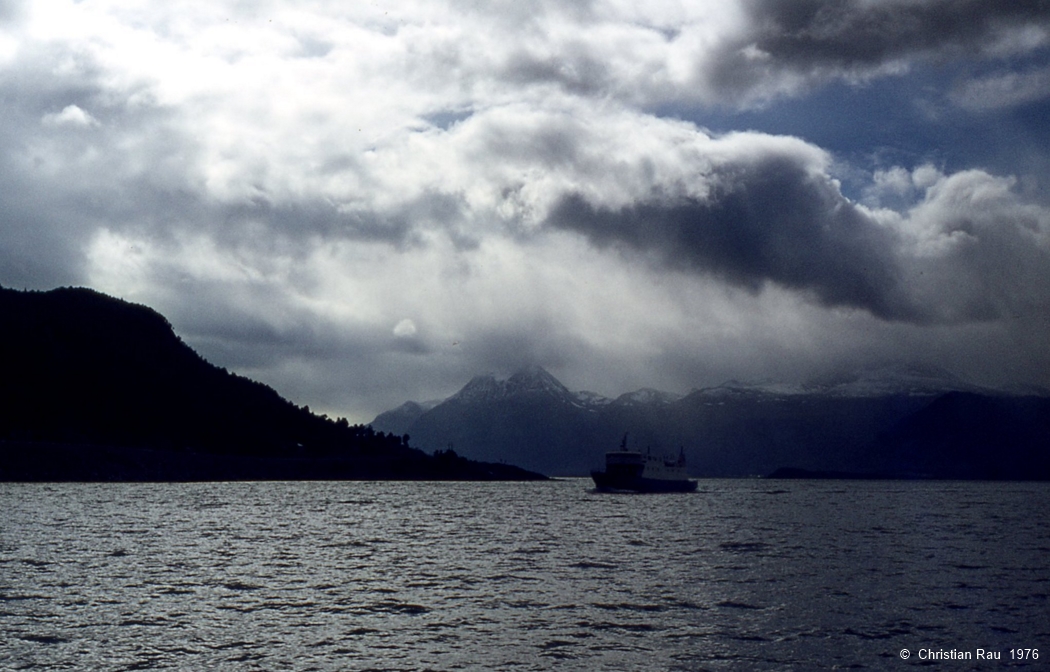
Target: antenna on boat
623, 442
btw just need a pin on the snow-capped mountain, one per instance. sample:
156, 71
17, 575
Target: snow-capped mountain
530, 381
527, 418
734, 429
894, 378
537, 381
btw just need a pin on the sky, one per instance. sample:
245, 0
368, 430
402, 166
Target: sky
369, 202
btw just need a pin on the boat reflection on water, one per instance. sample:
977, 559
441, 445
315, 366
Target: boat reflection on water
633, 471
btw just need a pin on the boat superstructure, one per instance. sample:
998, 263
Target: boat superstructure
633, 471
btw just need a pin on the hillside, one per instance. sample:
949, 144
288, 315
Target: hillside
965, 435
95, 388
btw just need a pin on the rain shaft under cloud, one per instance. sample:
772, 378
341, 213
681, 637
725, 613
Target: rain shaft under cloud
363, 204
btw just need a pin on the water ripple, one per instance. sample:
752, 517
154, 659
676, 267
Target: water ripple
535, 576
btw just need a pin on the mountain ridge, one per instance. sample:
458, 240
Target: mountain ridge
839, 424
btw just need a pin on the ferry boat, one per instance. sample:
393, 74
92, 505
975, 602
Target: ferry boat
632, 471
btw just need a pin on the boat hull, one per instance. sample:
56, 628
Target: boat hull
605, 482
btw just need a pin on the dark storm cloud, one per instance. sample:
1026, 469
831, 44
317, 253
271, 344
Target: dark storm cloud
769, 222
818, 32
971, 251
824, 38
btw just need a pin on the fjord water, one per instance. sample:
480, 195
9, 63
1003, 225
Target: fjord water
743, 574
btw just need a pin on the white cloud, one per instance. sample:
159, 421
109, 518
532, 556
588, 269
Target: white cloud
1003, 90
982, 250
71, 115
926, 175
8, 48
406, 328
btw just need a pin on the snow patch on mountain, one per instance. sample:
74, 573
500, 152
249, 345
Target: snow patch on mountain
736, 388
588, 399
873, 381
891, 379
647, 396
533, 380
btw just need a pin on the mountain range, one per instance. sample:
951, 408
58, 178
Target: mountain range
897, 420
97, 389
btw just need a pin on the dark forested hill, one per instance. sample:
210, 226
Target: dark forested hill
96, 388
964, 435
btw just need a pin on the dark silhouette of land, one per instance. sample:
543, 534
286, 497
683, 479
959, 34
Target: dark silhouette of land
959, 435
93, 388
971, 436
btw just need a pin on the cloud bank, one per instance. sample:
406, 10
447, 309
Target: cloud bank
362, 204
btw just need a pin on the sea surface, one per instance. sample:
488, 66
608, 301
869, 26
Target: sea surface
743, 574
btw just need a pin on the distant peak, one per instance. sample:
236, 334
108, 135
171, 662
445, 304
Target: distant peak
525, 381
416, 407
479, 387
535, 378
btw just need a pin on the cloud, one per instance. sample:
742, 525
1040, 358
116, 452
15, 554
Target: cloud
406, 328
360, 204
858, 32
71, 115
1003, 90
971, 250
768, 219
978, 251
788, 46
